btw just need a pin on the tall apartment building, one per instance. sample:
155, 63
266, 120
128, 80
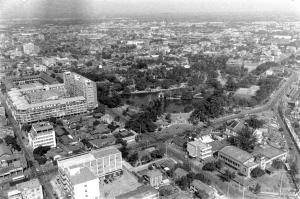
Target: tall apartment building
32, 103
78, 85
30, 189
93, 165
42, 134
198, 149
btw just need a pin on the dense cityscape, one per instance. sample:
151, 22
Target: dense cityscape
150, 107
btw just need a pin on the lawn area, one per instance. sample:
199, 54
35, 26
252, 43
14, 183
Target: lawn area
175, 129
271, 183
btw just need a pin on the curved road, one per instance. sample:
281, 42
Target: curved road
271, 103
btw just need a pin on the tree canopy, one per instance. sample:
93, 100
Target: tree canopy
245, 139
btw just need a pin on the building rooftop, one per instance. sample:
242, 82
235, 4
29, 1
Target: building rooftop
198, 143
4, 150
201, 186
140, 192
154, 173
31, 184
236, 153
268, 151
104, 152
82, 175
73, 161
42, 126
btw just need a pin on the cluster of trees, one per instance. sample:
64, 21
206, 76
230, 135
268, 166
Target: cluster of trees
257, 172
266, 87
212, 166
201, 194
264, 67
210, 107
277, 164
12, 141
245, 139
228, 175
294, 169
39, 154
255, 123
256, 189
104, 97
144, 122
185, 181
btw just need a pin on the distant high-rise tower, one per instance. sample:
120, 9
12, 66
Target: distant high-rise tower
78, 85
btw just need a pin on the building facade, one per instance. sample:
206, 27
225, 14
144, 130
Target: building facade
78, 85
42, 134
198, 149
40, 102
244, 162
155, 178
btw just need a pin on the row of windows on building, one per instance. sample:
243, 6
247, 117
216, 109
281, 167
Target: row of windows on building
230, 161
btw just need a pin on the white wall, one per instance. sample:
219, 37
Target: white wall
92, 189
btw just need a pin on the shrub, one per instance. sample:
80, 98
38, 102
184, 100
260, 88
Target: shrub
209, 166
257, 172
277, 164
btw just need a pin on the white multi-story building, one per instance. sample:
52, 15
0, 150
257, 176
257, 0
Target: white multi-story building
82, 183
198, 149
84, 171
31, 189
42, 134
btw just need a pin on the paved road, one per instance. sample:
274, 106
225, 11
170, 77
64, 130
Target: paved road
273, 100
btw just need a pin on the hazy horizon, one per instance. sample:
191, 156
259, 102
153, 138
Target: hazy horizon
11, 9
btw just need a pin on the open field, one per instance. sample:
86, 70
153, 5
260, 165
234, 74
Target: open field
126, 183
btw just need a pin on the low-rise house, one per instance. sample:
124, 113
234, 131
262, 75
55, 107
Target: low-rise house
155, 178
197, 185
180, 142
31, 189
101, 142
143, 192
5, 131
179, 173
11, 164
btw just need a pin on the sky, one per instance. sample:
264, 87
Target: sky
82, 8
